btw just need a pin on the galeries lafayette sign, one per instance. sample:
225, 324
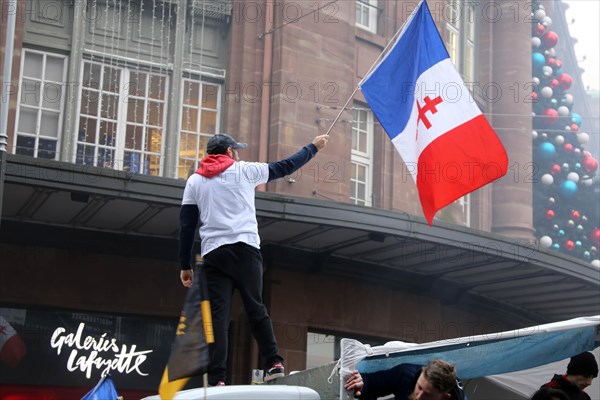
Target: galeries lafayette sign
103, 353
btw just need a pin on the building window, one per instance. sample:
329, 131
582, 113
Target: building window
200, 116
121, 118
362, 156
460, 36
460, 43
465, 206
452, 43
366, 15
469, 43
40, 109
321, 349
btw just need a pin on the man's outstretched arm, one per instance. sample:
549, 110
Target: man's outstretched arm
291, 164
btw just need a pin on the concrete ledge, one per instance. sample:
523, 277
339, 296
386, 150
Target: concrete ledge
316, 379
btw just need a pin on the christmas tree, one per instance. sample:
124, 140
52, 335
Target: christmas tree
564, 200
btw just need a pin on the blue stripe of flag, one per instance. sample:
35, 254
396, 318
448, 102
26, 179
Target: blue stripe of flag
390, 88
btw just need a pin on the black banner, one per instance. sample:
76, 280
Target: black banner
61, 348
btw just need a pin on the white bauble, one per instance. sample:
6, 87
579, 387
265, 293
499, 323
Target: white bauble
547, 71
563, 111
540, 15
587, 182
568, 99
559, 139
546, 242
573, 176
547, 179
546, 92
583, 138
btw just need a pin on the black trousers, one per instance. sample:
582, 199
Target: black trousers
229, 267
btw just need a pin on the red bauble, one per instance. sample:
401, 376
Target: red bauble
574, 127
550, 39
554, 83
550, 116
565, 81
539, 29
569, 245
586, 153
568, 147
575, 215
589, 164
555, 169
550, 214
558, 64
595, 236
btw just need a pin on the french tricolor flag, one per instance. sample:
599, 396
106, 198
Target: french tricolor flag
422, 103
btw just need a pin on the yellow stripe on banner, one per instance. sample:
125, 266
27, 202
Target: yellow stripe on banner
207, 321
167, 389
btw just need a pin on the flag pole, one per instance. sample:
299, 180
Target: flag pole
392, 40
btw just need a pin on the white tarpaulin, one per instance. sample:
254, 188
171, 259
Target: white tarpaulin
521, 385
481, 355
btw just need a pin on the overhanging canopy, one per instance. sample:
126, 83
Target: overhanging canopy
461, 266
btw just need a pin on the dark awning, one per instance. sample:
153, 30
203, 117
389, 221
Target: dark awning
462, 266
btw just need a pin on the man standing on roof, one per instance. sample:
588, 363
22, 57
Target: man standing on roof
221, 194
435, 381
582, 369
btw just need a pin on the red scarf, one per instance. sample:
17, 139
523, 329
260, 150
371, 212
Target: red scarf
214, 164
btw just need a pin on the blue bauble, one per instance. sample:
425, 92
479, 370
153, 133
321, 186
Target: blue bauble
538, 60
586, 255
578, 244
576, 118
568, 188
555, 246
561, 233
546, 150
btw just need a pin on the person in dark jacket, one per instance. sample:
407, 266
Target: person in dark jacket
545, 393
582, 369
435, 381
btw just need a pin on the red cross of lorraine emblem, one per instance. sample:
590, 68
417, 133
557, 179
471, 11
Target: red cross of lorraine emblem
430, 105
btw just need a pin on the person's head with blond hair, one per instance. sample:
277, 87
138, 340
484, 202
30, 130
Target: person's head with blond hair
435, 382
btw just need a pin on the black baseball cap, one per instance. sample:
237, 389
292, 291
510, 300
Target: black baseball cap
219, 143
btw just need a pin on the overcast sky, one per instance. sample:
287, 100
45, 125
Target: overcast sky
586, 30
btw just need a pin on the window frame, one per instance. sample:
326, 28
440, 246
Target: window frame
123, 98
372, 9
181, 171
461, 24
40, 107
465, 205
360, 158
